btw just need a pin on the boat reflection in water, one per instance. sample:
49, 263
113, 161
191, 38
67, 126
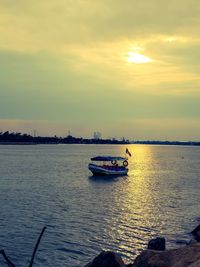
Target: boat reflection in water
109, 166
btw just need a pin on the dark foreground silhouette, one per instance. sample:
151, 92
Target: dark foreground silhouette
11, 264
156, 255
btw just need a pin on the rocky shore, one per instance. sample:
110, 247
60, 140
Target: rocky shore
156, 255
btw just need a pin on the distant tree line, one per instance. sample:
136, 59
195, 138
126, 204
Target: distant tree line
182, 143
20, 138
15, 138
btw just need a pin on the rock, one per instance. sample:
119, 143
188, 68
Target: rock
157, 243
107, 259
188, 256
196, 233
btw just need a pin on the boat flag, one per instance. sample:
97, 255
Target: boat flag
128, 152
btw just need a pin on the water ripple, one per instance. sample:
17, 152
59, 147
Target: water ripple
50, 185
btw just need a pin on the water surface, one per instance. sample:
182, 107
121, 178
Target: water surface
50, 185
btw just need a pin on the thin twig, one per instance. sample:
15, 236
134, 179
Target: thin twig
36, 246
8, 261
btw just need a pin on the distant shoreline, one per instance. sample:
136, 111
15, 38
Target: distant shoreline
164, 143
12, 138
171, 143
17, 143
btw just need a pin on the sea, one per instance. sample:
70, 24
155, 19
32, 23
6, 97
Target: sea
50, 185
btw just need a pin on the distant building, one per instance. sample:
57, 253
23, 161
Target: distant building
97, 135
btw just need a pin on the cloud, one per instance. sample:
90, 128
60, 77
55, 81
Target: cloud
50, 24
68, 60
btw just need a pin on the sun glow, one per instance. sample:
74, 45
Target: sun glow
135, 57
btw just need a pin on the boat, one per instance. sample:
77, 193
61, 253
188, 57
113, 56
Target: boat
109, 165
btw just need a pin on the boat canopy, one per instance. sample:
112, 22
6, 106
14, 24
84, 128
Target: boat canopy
107, 158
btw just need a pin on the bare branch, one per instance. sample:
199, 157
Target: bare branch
36, 246
10, 264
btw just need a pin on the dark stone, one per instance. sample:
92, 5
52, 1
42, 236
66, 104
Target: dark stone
157, 243
188, 256
107, 259
196, 233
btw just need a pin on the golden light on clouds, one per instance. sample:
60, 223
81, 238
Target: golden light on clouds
135, 57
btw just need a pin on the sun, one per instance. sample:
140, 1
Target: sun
135, 57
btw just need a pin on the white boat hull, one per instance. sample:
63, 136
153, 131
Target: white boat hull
107, 170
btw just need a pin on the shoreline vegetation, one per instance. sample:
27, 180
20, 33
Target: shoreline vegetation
16, 138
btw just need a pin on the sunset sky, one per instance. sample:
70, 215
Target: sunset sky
123, 68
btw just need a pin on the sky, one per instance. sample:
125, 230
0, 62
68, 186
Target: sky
123, 68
